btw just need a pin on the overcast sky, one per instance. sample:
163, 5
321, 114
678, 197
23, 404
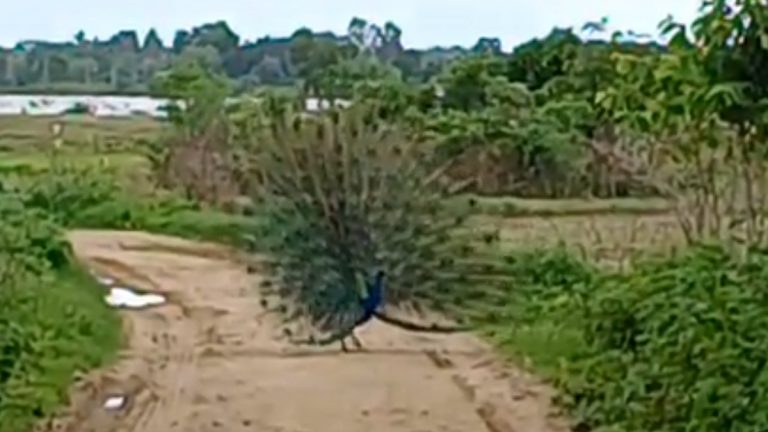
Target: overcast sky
424, 22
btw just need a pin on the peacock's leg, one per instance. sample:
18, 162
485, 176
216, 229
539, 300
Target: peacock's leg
344, 346
357, 342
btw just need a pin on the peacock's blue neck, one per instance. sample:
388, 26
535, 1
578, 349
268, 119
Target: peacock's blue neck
375, 293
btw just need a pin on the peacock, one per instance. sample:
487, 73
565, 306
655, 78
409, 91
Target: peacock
360, 227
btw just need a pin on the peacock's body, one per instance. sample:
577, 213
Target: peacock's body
359, 227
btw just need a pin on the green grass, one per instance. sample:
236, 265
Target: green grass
28, 133
170, 218
40, 162
534, 319
209, 225
75, 89
542, 347
520, 207
63, 327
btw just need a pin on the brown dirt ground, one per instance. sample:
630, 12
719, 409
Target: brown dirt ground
209, 360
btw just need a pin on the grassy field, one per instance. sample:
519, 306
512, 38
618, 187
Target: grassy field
611, 239
608, 229
523, 207
33, 133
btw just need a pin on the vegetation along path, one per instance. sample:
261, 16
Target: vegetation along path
210, 359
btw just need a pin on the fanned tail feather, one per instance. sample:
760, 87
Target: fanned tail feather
414, 327
343, 195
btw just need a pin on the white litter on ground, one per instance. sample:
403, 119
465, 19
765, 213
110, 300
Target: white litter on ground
105, 281
114, 403
124, 297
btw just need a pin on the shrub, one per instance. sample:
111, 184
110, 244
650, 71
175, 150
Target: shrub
66, 191
677, 345
53, 321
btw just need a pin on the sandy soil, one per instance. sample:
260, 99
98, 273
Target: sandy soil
209, 360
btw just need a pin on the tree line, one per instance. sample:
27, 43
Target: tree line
563, 115
127, 63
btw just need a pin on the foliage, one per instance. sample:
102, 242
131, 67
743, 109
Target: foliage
66, 192
675, 345
686, 122
123, 65
197, 154
91, 196
53, 321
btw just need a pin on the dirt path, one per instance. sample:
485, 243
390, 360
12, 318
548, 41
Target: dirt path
208, 361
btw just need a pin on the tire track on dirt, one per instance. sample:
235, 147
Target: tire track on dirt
208, 360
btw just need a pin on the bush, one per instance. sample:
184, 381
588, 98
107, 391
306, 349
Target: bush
53, 320
67, 191
91, 197
677, 345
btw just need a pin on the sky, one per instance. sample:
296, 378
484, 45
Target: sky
425, 23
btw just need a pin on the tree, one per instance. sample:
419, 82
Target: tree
80, 37
312, 57
85, 67
391, 46
152, 42
269, 71
125, 41
180, 41
204, 56
217, 35
367, 38
487, 45
538, 61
